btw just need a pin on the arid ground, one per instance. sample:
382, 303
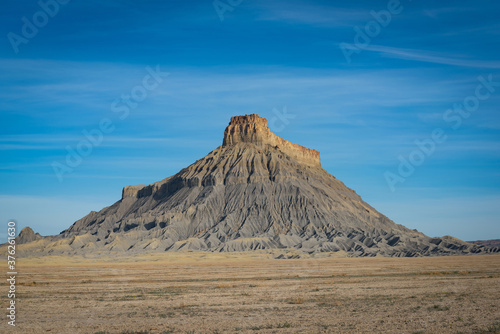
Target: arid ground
253, 293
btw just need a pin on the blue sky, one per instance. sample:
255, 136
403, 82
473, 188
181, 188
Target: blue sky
264, 56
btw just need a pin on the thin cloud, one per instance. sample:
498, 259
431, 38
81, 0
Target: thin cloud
51, 142
5, 147
430, 57
435, 13
311, 14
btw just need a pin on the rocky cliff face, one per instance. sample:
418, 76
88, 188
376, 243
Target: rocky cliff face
253, 129
256, 191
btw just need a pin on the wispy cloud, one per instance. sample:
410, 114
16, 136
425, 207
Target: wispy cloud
311, 14
435, 13
431, 57
54, 142
17, 147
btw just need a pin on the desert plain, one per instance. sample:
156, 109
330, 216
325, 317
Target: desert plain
251, 292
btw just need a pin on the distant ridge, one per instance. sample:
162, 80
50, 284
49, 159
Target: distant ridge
256, 191
488, 243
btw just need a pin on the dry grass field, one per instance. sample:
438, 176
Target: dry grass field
253, 293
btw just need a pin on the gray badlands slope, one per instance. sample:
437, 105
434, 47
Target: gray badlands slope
256, 191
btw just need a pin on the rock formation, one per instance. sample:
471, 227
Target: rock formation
27, 235
253, 129
256, 191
